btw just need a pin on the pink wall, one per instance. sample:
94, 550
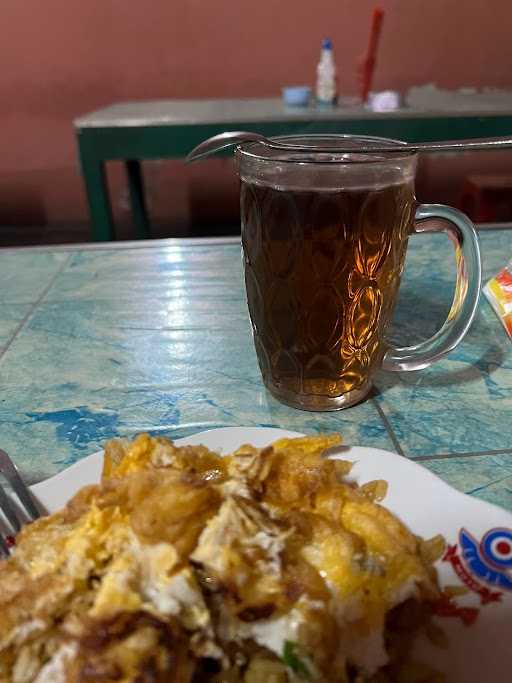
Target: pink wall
61, 58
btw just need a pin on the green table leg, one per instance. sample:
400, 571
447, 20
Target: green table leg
137, 200
100, 211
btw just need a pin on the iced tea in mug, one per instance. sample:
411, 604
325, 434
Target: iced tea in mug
324, 239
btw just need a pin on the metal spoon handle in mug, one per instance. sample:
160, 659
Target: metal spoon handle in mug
472, 144
236, 137
461, 232
221, 141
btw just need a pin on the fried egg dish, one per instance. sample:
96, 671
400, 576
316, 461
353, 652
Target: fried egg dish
182, 566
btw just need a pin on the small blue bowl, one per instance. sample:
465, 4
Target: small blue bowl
296, 95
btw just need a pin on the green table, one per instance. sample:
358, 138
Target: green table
132, 132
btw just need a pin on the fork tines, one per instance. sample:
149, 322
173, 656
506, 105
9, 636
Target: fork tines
15, 515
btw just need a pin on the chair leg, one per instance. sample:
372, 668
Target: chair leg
137, 199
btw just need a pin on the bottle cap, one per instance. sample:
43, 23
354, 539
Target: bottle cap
326, 44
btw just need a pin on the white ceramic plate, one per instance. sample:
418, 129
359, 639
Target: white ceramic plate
479, 535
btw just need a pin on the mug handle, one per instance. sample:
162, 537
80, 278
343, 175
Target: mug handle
462, 233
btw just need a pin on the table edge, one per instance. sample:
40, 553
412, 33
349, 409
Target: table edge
126, 244
169, 242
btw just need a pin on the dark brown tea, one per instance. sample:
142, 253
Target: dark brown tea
322, 271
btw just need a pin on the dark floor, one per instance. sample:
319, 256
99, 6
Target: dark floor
58, 234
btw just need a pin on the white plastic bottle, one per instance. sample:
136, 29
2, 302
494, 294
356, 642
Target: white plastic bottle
326, 77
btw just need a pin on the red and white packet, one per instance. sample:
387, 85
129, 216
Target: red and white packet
499, 294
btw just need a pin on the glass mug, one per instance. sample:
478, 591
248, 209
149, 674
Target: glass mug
324, 238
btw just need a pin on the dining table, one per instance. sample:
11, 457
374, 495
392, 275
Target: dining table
112, 339
134, 132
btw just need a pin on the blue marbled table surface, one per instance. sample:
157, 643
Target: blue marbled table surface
101, 342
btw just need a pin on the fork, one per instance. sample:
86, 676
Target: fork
15, 520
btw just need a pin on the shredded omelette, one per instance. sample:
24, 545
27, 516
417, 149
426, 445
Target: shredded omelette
264, 566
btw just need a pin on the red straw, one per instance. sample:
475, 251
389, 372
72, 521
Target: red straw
367, 65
